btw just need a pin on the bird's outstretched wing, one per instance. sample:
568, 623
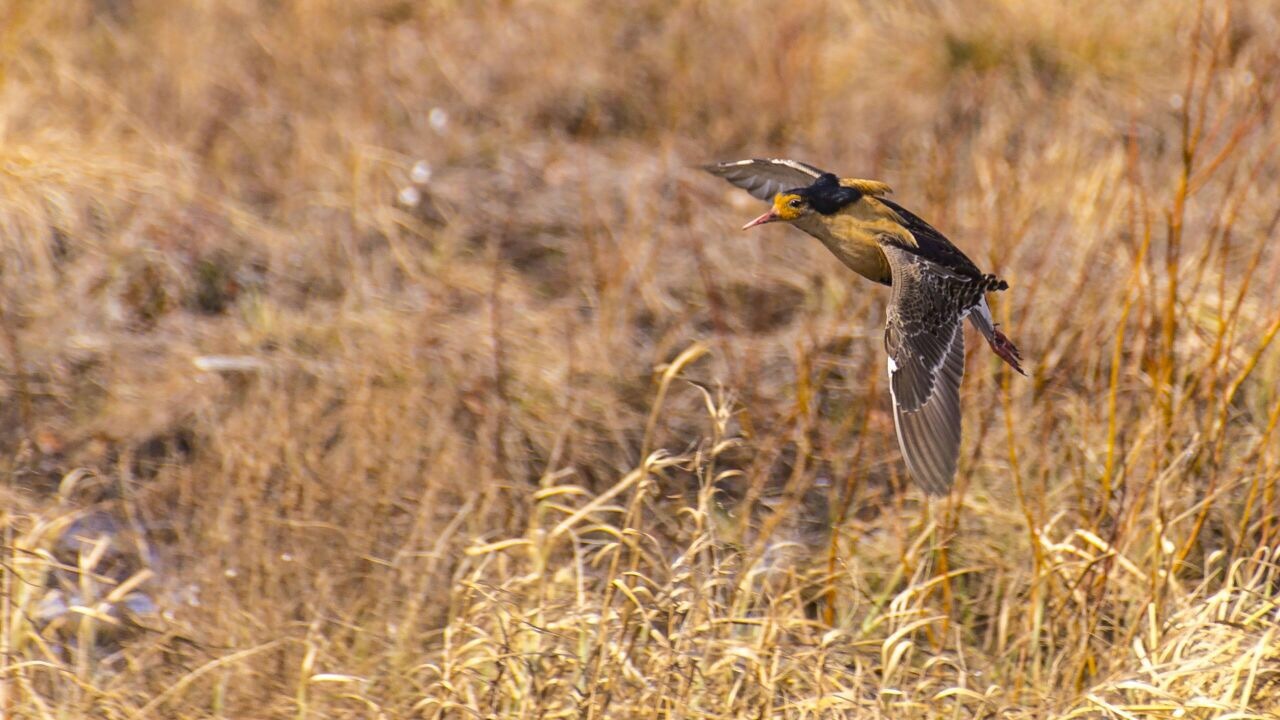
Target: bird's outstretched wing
924, 337
764, 178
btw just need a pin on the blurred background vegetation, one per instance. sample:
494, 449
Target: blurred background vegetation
391, 358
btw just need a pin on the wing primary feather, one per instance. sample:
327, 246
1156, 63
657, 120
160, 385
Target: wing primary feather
929, 434
765, 177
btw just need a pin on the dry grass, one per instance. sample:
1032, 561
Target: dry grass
291, 428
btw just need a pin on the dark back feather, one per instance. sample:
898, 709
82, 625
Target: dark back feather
933, 245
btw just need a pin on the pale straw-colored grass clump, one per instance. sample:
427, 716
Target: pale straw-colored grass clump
392, 359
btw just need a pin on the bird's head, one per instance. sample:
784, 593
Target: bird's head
825, 196
788, 206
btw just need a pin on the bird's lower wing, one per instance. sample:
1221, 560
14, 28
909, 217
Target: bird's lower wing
764, 178
924, 338
929, 435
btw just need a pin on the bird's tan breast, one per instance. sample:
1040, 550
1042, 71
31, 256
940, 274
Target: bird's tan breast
851, 236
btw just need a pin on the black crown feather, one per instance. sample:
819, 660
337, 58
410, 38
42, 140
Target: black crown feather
827, 195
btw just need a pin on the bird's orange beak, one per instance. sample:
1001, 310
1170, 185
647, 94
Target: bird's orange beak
765, 218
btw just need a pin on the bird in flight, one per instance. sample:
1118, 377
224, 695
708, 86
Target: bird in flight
934, 288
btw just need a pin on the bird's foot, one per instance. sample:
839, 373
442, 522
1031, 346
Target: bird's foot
1007, 351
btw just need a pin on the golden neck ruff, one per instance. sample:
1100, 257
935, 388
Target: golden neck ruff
852, 232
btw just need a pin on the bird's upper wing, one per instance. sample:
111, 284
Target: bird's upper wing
764, 178
925, 341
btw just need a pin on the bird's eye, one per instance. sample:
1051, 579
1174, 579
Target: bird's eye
795, 203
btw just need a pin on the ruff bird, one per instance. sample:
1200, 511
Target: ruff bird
934, 288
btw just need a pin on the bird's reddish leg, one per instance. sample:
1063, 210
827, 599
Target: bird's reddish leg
1005, 348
